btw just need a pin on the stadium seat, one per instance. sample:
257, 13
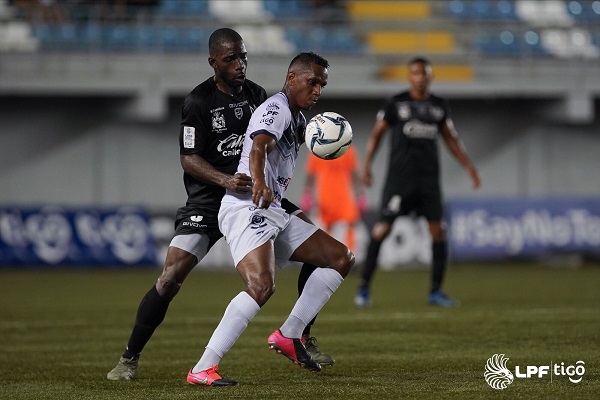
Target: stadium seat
482, 9
287, 8
388, 9
442, 72
118, 38
585, 11
392, 42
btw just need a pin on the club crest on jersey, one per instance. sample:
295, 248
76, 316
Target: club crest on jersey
218, 121
404, 111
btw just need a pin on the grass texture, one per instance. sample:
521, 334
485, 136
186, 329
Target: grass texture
61, 331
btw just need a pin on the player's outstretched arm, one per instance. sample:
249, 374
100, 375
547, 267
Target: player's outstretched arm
459, 152
377, 132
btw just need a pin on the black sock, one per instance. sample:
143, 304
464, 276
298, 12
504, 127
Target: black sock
150, 315
370, 263
305, 272
439, 263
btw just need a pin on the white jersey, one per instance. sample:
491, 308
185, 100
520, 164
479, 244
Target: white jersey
273, 118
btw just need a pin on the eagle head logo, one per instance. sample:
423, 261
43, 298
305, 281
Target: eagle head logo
497, 375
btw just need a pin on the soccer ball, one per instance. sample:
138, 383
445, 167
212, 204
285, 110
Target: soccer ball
328, 135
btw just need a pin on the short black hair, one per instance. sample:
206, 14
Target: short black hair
307, 58
419, 60
220, 36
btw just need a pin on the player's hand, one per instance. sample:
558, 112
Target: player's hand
366, 177
262, 195
474, 177
306, 200
241, 183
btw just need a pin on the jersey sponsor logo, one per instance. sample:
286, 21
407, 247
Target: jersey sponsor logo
284, 182
269, 117
273, 107
415, 129
436, 113
196, 218
231, 145
239, 112
189, 137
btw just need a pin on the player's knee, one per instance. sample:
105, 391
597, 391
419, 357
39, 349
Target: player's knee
168, 285
380, 231
261, 292
343, 261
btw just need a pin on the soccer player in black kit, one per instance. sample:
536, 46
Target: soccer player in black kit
417, 119
214, 119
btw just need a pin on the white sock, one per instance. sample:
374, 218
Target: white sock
318, 289
239, 312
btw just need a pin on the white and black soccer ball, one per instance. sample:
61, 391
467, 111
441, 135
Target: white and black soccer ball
328, 135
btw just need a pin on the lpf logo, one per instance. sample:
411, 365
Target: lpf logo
499, 376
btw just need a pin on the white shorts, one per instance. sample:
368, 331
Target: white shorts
247, 227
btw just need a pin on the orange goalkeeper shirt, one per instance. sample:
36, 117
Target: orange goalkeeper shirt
334, 187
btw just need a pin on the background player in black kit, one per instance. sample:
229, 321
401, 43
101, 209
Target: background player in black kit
214, 119
417, 119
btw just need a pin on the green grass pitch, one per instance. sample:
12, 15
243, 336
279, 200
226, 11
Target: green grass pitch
61, 331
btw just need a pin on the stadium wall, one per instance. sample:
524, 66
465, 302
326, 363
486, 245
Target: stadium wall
85, 152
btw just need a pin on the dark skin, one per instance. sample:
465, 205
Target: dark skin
229, 63
419, 77
303, 88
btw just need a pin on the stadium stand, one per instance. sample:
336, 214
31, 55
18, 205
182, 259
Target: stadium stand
494, 28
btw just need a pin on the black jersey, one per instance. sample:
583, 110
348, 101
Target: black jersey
416, 124
213, 125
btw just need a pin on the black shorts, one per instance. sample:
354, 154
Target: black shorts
418, 196
191, 220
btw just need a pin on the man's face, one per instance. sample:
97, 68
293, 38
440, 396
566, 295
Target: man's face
306, 85
230, 64
419, 76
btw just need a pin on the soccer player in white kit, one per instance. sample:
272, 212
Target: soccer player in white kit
262, 235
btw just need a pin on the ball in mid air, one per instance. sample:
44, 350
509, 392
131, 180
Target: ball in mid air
328, 135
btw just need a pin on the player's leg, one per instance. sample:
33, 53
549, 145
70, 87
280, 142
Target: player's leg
430, 206
335, 260
439, 263
257, 270
380, 231
310, 342
152, 310
249, 232
187, 248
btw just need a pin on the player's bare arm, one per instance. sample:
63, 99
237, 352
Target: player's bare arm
458, 150
202, 170
379, 129
262, 145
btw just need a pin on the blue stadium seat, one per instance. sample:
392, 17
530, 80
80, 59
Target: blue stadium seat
287, 8
118, 38
196, 8
171, 7
584, 11
146, 38
331, 40
482, 9
507, 43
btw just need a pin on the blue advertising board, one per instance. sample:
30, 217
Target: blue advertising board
63, 236
523, 227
